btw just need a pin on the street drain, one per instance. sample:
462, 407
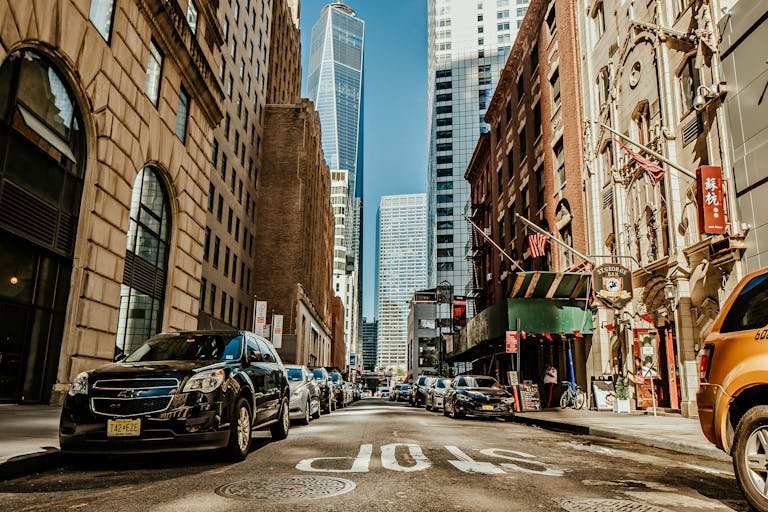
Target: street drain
286, 488
599, 505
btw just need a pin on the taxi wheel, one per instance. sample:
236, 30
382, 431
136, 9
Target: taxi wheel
750, 456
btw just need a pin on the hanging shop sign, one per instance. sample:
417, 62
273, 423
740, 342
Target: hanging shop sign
709, 196
613, 285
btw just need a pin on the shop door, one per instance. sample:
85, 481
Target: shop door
14, 333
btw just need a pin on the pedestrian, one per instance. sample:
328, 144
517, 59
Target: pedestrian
550, 382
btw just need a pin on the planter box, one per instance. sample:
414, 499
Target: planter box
621, 406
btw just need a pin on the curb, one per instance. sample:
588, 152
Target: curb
669, 445
22, 465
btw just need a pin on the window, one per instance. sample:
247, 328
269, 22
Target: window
445, 224
444, 212
520, 88
213, 298
537, 120
604, 85
226, 261
522, 147
513, 223
540, 187
444, 97
445, 185
502, 26
223, 171
141, 301
500, 15
484, 74
551, 22
534, 57
445, 253
220, 208
504, 39
642, 119
444, 134
230, 217
192, 16
216, 247
479, 17
445, 109
599, 19
750, 309
443, 172
559, 162
445, 159
445, 265
480, 29
101, 16
483, 98
211, 196
444, 198
445, 121
203, 286
689, 82
554, 82
223, 306
443, 85
445, 146
607, 159
445, 239
154, 73
207, 244
443, 73
182, 113
215, 153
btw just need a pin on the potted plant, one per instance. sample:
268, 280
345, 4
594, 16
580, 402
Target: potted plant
621, 404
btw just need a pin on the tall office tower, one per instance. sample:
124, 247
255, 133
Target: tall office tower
370, 332
335, 84
468, 46
344, 280
401, 269
226, 292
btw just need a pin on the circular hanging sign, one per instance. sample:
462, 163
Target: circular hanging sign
613, 285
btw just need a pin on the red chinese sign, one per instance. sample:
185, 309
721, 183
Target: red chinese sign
511, 342
709, 194
459, 313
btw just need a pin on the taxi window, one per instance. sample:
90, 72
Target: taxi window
750, 309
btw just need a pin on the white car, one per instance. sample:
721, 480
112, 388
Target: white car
305, 395
435, 394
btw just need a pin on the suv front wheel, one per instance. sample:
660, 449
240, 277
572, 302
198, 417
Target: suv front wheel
280, 429
240, 431
750, 456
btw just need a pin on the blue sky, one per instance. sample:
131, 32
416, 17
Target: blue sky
395, 130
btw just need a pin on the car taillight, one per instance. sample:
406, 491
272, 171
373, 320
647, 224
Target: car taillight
705, 357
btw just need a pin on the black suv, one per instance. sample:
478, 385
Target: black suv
179, 391
325, 385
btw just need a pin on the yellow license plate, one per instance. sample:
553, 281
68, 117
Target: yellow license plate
487, 407
124, 428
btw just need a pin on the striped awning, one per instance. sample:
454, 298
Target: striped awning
551, 285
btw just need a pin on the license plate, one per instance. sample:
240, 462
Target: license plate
487, 407
124, 428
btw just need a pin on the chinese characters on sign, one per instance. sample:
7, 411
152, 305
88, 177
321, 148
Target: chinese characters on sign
709, 194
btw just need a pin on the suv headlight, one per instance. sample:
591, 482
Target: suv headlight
296, 393
205, 382
79, 385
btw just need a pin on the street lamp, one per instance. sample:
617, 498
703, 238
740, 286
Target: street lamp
670, 295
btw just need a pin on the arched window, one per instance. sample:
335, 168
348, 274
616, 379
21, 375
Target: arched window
146, 263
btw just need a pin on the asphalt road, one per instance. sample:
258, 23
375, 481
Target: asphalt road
380, 456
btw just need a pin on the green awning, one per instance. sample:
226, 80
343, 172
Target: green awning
551, 285
547, 315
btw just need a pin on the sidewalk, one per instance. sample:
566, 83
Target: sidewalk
668, 432
29, 439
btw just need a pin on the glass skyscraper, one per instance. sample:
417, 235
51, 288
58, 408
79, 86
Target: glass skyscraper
401, 269
335, 84
468, 47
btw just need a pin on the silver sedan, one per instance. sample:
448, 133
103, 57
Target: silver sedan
305, 395
435, 394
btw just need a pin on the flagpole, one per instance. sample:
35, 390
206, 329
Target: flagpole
518, 267
552, 237
648, 150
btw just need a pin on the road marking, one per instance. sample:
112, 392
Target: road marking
467, 464
522, 457
360, 464
389, 458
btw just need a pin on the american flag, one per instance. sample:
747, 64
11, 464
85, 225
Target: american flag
655, 172
537, 245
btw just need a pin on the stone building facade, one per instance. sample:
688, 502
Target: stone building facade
642, 66
294, 239
226, 290
109, 107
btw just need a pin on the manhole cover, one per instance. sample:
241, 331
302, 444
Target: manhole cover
286, 488
598, 505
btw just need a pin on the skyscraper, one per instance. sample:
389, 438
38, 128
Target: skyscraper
468, 46
370, 333
401, 269
335, 84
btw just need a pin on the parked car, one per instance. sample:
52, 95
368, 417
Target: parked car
478, 395
305, 396
183, 390
435, 393
404, 393
733, 375
393, 394
349, 394
419, 392
325, 387
338, 389
383, 392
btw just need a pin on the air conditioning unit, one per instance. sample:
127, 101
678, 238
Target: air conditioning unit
489, 277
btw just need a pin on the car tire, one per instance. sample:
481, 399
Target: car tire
427, 407
316, 415
280, 429
239, 443
307, 418
746, 443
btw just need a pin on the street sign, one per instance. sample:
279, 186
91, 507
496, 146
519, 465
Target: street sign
277, 331
511, 342
260, 317
513, 379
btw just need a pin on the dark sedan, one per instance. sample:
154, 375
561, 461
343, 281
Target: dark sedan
327, 390
179, 391
471, 395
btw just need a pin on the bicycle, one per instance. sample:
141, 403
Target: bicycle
573, 396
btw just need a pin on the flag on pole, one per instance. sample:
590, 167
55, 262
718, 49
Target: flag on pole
537, 245
655, 172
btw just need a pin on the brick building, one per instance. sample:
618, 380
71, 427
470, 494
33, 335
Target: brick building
226, 291
294, 239
530, 164
108, 107
338, 346
284, 77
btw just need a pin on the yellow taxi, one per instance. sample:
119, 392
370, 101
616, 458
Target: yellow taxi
733, 392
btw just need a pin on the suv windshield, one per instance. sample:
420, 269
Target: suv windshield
335, 377
477, 382
294, 374
318, 373
190, 347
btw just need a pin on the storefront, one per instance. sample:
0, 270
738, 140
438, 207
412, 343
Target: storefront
555, 326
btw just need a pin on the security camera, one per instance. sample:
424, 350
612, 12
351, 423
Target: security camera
699, 102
